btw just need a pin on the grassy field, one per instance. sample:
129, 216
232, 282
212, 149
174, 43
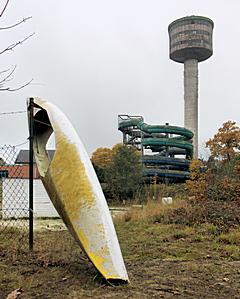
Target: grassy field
163, 261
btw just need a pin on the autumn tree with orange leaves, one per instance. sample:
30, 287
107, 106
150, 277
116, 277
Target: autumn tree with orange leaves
101, 160
226, 143
197, 184
102, 157
118, 169
220, 179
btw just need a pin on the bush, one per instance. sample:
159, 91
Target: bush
123, 176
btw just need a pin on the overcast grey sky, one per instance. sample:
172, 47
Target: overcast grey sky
96, 59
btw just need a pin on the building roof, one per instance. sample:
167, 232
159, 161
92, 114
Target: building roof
23, 156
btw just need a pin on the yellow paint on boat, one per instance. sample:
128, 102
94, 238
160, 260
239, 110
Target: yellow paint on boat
73, 183
76, 194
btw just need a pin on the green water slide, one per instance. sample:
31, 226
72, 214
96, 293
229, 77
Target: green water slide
165, 142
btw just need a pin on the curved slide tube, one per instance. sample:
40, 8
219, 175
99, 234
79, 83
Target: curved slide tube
75, 191
165, 140
166, 129
161, 162
171, 142
163, 173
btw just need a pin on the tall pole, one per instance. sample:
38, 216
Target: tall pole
31, 107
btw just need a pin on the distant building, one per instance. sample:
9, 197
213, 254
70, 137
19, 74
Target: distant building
20, 170
23, 160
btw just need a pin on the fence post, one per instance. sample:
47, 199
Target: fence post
31, 107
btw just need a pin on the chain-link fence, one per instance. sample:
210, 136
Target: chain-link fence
14, 211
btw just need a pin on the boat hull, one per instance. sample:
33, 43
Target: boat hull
75, 191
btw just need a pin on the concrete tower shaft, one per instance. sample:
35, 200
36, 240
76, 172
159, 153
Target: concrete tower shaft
191, 100
190, 42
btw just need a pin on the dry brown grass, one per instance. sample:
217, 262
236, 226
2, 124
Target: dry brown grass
160, 259
151, 210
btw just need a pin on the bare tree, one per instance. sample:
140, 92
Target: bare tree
7, 75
